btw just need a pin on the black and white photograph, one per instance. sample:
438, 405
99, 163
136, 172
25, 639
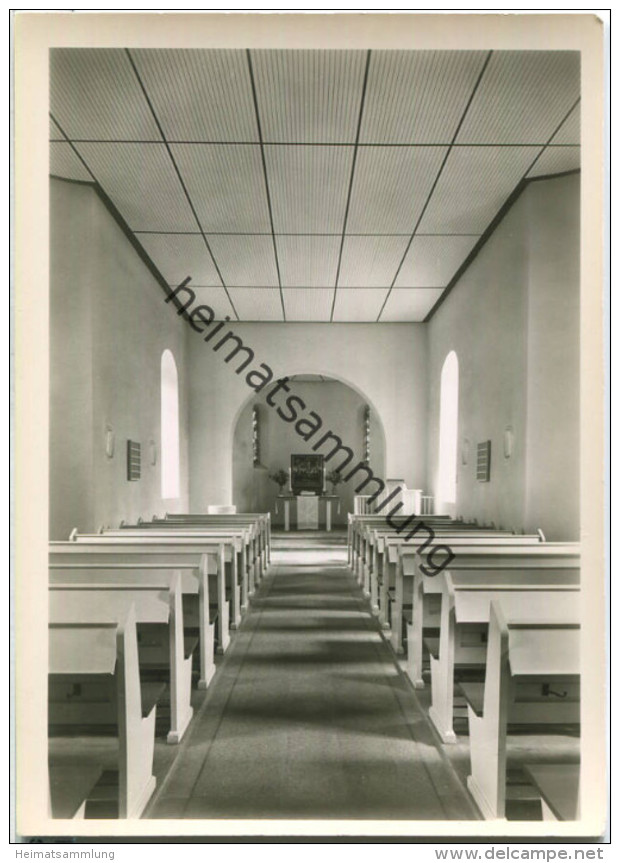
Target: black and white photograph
310, 514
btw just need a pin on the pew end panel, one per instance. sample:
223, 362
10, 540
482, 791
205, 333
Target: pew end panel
108, 652
521, 660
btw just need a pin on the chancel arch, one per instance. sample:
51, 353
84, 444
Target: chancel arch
315, 414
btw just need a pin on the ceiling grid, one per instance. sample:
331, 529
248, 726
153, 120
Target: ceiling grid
312, 185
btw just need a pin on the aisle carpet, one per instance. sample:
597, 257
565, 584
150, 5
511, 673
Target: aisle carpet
308, 715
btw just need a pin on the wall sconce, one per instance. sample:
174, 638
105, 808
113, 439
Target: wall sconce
509, 441
465, 451
152, 449
109, 440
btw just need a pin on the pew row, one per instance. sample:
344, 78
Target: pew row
77, 594
261, 519
385, 571
402, 560
217, 550
524, 661
254, 552
108, 654
544, 585
356, 524
243, 571
190, 562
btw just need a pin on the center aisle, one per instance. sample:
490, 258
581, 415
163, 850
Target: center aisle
308, 715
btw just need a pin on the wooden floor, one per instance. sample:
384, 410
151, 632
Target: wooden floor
309, 716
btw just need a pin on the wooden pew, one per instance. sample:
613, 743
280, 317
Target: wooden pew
76, 594
522, 659
382, 563
108, 653
252, 564
70, 786
367, 534
360, 553
191, 563
381, 558
355, 528
262, 519
213, 547
404, 559
522, 579
236, 557
558, 786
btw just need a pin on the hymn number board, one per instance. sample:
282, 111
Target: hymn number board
307, 473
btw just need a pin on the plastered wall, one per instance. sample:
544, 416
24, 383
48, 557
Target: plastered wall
108, 329
519, 365
385, 364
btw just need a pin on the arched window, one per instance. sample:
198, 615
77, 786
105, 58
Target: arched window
448, 429
169, 427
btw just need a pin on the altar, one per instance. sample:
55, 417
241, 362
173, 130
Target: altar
308, 510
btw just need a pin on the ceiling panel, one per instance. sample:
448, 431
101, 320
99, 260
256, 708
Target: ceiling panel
358, 304
418, 97
309, 96
65, 163
371, 261
245, 260
199, 95
474, 184
308, 262
312, 304
522, 97
410, 304
390, 187
141, 181
556, 160
570, 130
95, 95
217, 300
178, 256
257, 304
226, 185
308, 187
432, 261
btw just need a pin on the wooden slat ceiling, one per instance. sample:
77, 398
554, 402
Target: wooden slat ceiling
312, 185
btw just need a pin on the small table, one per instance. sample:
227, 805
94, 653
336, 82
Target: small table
329, 499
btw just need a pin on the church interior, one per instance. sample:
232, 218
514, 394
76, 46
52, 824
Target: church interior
314, 504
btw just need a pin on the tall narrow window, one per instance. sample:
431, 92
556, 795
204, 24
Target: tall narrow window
169, 427
448, 429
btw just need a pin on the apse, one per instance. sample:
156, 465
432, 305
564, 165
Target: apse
264, 442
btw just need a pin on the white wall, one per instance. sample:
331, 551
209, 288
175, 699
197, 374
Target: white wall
109, 327
385, 363
518, 360
553, 412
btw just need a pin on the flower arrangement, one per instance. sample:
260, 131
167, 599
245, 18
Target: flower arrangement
280, 477
335, 478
